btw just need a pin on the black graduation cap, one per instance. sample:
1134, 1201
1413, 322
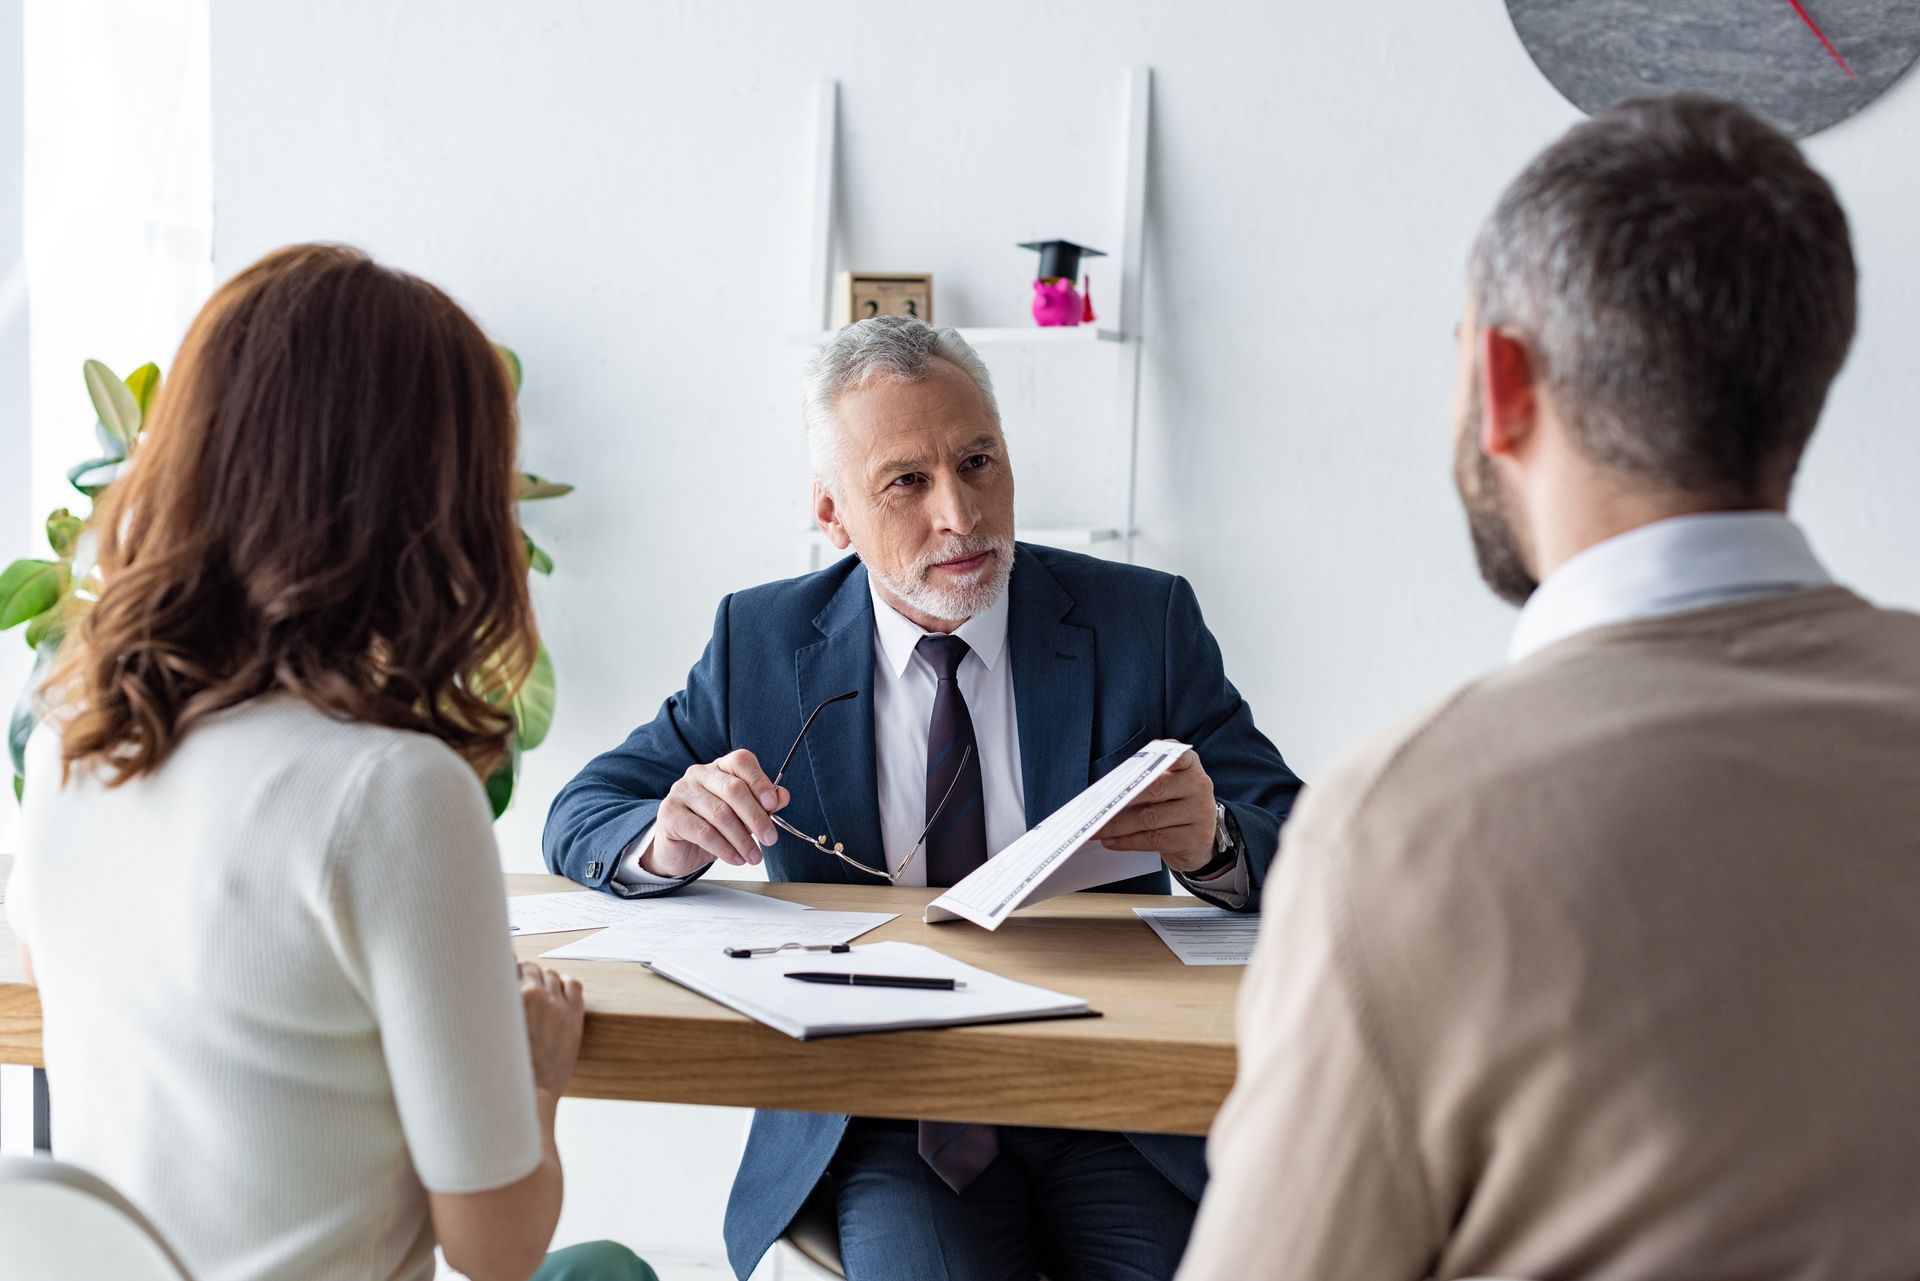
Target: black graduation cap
1060, 259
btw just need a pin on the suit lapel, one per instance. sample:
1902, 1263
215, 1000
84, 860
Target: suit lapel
840, 747
1052, 688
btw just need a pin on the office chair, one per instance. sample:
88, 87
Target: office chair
813, 1238
59, 1223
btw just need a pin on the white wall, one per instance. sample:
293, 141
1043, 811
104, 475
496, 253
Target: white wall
620, 192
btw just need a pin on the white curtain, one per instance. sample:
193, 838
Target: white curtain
115, 182
119, 203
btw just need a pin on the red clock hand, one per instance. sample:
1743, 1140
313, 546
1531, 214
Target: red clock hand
1822, 37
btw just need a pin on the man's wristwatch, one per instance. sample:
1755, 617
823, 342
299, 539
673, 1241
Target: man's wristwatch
1226, 845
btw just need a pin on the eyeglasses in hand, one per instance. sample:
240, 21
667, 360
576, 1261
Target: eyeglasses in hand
837, 849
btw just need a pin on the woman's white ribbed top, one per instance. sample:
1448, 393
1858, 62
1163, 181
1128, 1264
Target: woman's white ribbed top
279, 998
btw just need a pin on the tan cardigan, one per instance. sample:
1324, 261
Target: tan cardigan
1607, 968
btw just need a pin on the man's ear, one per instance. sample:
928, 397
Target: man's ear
827, 516
1509, 395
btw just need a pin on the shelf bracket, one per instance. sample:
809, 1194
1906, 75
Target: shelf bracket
1133, 258
826, 166
1133, 197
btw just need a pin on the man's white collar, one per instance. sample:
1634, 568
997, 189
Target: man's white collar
985, 633
1668, 567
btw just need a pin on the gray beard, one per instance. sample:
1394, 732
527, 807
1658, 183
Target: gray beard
951, 606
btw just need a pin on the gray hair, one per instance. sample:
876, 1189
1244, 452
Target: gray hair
897, 347
1685, 282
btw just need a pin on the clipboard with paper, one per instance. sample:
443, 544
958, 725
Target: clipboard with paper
1059, 855
760, 988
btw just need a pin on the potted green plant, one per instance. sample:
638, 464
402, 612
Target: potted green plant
47, 595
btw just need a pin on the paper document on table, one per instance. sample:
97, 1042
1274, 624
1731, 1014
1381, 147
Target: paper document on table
759, 988
1036, 866
567, 910
587, 910
640, 940
1205, 935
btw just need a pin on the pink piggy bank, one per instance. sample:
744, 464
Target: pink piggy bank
1055, 302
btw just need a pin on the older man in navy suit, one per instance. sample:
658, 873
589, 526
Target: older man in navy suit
994, 681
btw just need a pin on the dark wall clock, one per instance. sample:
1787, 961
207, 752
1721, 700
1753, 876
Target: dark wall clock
1803, 64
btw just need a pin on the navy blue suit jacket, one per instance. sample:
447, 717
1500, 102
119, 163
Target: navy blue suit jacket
1106, 657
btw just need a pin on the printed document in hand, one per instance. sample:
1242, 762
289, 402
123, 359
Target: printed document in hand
759, 988
1205, 935
641, 939
1057, 856
588, 910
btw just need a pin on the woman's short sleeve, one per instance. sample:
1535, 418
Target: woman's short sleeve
415, 883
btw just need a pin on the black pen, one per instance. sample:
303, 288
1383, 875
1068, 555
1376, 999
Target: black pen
878, 980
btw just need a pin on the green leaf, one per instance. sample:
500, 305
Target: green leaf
25, 716
63, 532
96, 474
512, 360
500, 786
49, 628
143, 383
29, 588
537, 560
533, 703
533, 487
500, 790
19, 730
110, 447
119, 411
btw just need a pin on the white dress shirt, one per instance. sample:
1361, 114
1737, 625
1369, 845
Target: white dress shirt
904, 683
1669, 567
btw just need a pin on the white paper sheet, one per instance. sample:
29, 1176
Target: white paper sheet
1204, 935
589, 910
758, 988
642, 939
1036, 866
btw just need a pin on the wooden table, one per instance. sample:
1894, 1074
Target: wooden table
19, 1004
1160, 1059
20, 1013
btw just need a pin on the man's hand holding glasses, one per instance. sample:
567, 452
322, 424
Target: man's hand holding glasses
714, 812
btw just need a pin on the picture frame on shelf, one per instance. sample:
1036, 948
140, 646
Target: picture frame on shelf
861, 295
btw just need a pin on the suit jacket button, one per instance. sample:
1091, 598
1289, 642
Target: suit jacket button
593, 868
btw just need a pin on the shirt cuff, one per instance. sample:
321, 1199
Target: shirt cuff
628, 871
1231, 884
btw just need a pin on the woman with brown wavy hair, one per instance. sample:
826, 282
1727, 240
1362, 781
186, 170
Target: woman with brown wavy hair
257, 882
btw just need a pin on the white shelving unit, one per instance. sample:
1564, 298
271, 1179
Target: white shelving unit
1135, 108
1006, 337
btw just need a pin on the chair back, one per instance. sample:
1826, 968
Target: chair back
59, 1223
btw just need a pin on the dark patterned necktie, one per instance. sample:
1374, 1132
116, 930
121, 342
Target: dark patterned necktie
955, 846
958, 842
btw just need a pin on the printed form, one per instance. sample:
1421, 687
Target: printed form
1058, 856
1204, 935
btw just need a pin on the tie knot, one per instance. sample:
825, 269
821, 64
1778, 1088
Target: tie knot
944, 652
